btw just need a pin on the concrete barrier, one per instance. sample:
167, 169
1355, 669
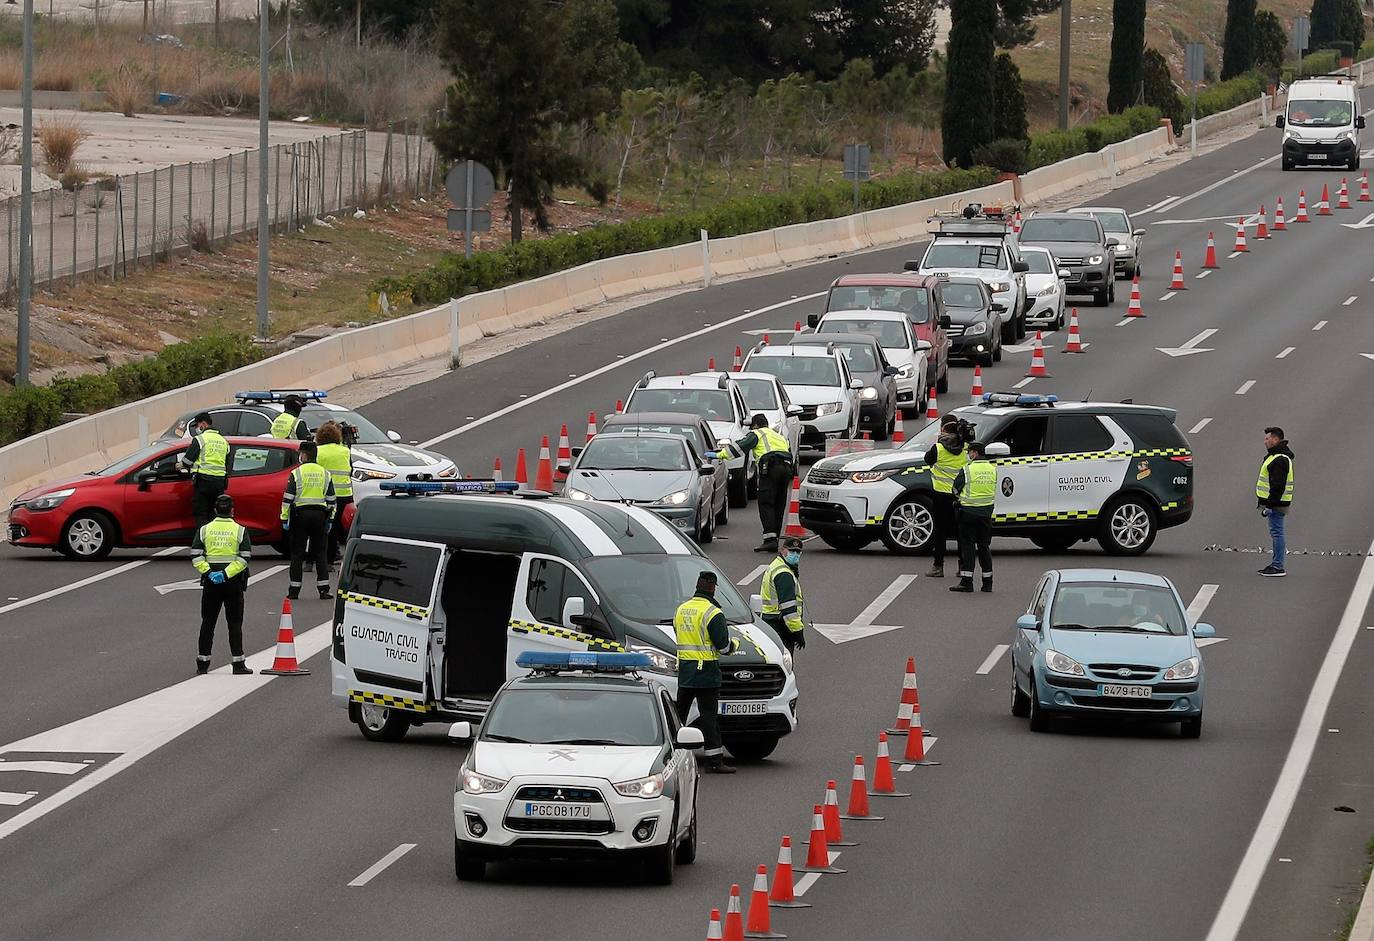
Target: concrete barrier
1260, 111
584, 286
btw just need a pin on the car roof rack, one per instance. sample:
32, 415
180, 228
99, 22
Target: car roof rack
1019, 399
256, 397
413, 486
547, 662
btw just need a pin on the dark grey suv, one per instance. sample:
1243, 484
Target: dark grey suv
1081, 246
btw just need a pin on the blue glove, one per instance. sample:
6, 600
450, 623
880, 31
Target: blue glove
217, 578
285, 526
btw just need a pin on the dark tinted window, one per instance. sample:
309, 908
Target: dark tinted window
227, 422
1077, 433
247, 461
253, 424
1150, 430
396, 571
550, 585
1025, 436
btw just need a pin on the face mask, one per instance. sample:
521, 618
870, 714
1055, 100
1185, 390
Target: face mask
792, 558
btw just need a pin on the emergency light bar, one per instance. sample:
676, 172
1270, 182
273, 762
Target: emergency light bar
280, 395
417, 487
1012, 398
597, 662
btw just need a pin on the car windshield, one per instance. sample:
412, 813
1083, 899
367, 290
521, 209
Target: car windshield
649, 588
1059, 230
574, 717
798, 370
689, 432
126, 464
711, 404
1039, 263
759, 393
891, 334
368, 433
1117, 607
632, 452
1319, 113
859, 356
924, 439
950, 255
914, 302
1112, 221
962, 295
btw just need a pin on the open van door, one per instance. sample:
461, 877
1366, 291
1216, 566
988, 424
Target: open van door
542, 618
388, 612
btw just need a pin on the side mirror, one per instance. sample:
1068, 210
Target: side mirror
756, 604
912, 266
706, 469
998, 449
1139, 233
1114, 242
393, 437
1028, 622
856, 384
924, 345
794, 410
999, 308
1065, 274
1020, 267
690, 737
813, 320
1359, 122
573, 609
576, 451
145, 480
564, 467
1203, 629
946, 321
1279, 121
460, 732
890, 370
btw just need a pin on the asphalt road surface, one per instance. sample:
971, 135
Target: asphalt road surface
251, 818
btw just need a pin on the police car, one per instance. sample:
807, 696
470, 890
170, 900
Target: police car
1067, 472
582, 757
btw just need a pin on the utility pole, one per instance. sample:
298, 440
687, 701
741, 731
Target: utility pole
26, 207
264, 326
1065, 24
358, 23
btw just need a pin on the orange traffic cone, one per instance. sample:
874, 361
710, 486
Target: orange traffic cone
564, 454
1016, 223
1210, 260
738, 364
619, 407
1075, 344
765, 339
1280, 223
713, 926
1324, 207
1364, 187
797, 327
932, 406
734, 918
1343, 197
830, 813
1038, 368
1134, 309
818, 853
1302, 207
976, 393
884, 784
522, 476
543, 474
285, 663
1240, 238
1262, 232
794, 526
907, 701
858, 794
710, 364
916, 741
496, 470
591, 425
759, 922
1177, 283
784, 894
898, 430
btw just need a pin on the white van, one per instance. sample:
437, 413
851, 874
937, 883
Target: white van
1322, 123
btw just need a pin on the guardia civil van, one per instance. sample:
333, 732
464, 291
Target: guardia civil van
445, 584
1067, 472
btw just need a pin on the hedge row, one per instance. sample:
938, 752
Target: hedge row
1226, 95
1054, 146
455, 275
31, 409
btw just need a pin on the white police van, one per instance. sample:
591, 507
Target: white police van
445, 584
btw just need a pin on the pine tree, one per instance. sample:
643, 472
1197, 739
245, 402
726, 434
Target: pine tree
1238, 45
967, 122
1009, 100
1271, 41
1128, 49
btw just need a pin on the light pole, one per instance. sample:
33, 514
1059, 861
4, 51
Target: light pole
1065, 22
25, 206
264, 326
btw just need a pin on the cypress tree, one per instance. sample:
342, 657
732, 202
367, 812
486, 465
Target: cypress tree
1128, 51
1325, 18
1238, 45
1009, 100
969, 111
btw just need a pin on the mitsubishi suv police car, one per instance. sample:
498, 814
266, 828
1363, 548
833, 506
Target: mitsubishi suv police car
583, 757
1067, 472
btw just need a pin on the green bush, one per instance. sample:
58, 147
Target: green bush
29, 410
1006, 154
455, 275
1054, 146
1224, 96
1366, 51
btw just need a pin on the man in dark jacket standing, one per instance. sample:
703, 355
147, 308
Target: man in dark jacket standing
1274, 493
945, 458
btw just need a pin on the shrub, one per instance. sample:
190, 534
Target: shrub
1007, 154
1053, 146
60, 139
126, 91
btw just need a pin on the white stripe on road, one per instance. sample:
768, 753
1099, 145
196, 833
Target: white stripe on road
811, 878
1234, 255
1203, 274
1157, 207
1024, 382
1350, 300
1199, 426
371, 872
615, 364
748, 579
1283, 354
46, 767
1319, 324
1245, 386
1222, 182
1168, 295
879, 604
992, 659
1125, 320
1236, 904
928, 744
88, 580
1200, 601
14, 798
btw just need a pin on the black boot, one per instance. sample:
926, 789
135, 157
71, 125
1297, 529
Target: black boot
294, 594
987, 583
937, 570
768, 545
202, 667
716, 765
325, 594
241, 668
965, 584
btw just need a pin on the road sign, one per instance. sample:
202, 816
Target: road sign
856, 161
470, 186
1302, 33
1196, 63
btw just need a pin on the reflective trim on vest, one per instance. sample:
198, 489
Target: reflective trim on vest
1262, 484
221, 538
768, 441
690, 625
946, 468
284, 425
338, 460
770, 590
214, 454
311, 479
980, 484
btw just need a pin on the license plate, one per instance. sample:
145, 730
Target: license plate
744, 708
560, 810
1316, 156
814, 493
1127, 692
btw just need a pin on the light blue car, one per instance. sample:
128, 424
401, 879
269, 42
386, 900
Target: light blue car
1106, 642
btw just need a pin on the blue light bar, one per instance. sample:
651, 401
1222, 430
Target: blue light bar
1014, 398
450, 486
279, 395
597, 662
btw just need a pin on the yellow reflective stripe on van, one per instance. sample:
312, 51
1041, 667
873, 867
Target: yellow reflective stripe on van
400, 607
1087, 456
391, 702
1044, 517
595, 643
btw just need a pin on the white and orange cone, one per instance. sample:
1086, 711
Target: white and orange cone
713, 926
932, 405
496, 470
858, 808
522, 476
1343, 197
1210, 260
884, 783
543, 474
759, 923
976, 393
1280, 223
916, 741
794, 526
1240, 238
1134, 308
1302, 208
564, 453
285, 662
1364, 187
818, 852
784, 892
591, 425
733, 929
908, 700
898, 430
710, 364
738, 364
1177, 283
1075, 344
1324, 207
1262, 230
830, 813
1038, 369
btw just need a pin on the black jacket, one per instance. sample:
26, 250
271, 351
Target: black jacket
952, 443
1278, 475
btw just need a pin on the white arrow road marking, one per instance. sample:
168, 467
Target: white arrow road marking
1199, 426
1246, 386
1350, 300
1190, 347
992, 659
46, 767
758, 570
1200, 601
1016, 348
1366, 223
1368, 355
14, 799
89, 580
863, 626
1125, 320
371, 872
1157, 207
1203, 274
1230, 221
192, 583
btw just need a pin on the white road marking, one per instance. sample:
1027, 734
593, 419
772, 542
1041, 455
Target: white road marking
14, 798
928, 744
1350, 300
602, 370
1157, 207
1319, 324
1222, 182
992, 659
1234, 255
805, 882
1200, 601
1236, 904
46, 767
190, 584
1024, 382
1199, 426
1203, 274
863, 626
758, 570
1125, 320
1283, 353
1189, 347
1245, 386
89, 580
371, 872
1168, 295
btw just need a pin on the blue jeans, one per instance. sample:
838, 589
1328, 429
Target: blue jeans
1276, 520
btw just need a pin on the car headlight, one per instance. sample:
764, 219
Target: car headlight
364, 473
1289, 135
1056, 662
647, 788
676, 498
869, 393
827, 408
1047, 291
999, 286
904, 371
660, 661
976, 330
1095, 260
449, 472
50, 500
870, 477
1184, 669
787, 661
474, 783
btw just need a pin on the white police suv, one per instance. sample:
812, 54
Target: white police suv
582, 757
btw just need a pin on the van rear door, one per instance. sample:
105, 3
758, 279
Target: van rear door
388, 610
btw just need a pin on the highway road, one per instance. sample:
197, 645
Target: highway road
252, 817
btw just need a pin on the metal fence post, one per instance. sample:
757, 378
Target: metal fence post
246, 187
384, 181
98, 199
119, 226
338, 197
74, 227
405, 135
152, 235
276, 189
52, 235
9, 245
364, 190
136, 176
214, 197
171, 208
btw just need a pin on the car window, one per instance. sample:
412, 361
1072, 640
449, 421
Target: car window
758, 394
396, 571
574, 717
1060, 230
165, 463
253, 424
948, 255
798, 370
1039, 262
1025, 436
891, 334
633, 452
670, 711
1117, 607
1113, 221
962, 295
711, 404
1150, 430
544, 593
859, 357
226, 421
1074, 434
247, 461
1042, 597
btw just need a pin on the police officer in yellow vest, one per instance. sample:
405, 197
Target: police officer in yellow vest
703, 635
782, 595
288, 424
335, 457
976, 489
222, 549
773, 456
307, 511
1274, 492
207, 459
945, 458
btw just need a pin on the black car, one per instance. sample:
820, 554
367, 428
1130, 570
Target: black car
974, 319
878, 399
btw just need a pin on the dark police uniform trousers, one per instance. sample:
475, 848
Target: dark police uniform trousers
309, 542
775, 490
229, 597
204, 490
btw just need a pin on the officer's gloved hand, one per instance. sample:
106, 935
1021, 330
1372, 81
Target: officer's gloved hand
734, 645
800, 640
217, 578
285, 526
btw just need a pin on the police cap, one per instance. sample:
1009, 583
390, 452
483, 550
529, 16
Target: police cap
224, 505
203, 417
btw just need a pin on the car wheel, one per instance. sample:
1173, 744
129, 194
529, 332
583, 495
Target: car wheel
466, 867
380, 723
752, 485
1009, 331
1354, 165
846, 542
1100, 299
88, 536
737, 492
987, 358
686, 852
882, 432
753, 748
707, 532
1128, 526
723, 516
662, 859
1059, 321
1021, 329
942, 385
1039, 721
997, 351
1054, 542
1191, 727
1020, 702
1111, 293
909, 528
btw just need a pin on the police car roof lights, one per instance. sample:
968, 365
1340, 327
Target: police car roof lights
418, 487
1015, 398
280, 395
548, 662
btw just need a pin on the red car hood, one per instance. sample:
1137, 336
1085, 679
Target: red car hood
77, 480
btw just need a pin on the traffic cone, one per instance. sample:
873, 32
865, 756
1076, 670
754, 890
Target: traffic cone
1324, 207
765, 339
916, 740
907, 701
759, 922
830, 813
865, 436
1038, 369
797, 327
522, 476
564, 453
1210, 261
884, 784
1134, 309
710, 364
285, 663
1075, 344
898, 431
738, 364
1016, 223
1177, 283
1343, 197
818, 853
619, 407
543, 474
1302, 207
496, 470
1280, 223
858, 794
976, 394
1364, 187
1240, 238
1262, 232
784, 894
713, 926
794, 526
734, 918
932, 406
591, 425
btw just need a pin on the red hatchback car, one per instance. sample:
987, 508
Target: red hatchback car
918, 295
144, 500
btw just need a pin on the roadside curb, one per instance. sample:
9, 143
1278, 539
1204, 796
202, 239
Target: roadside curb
1363, 929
